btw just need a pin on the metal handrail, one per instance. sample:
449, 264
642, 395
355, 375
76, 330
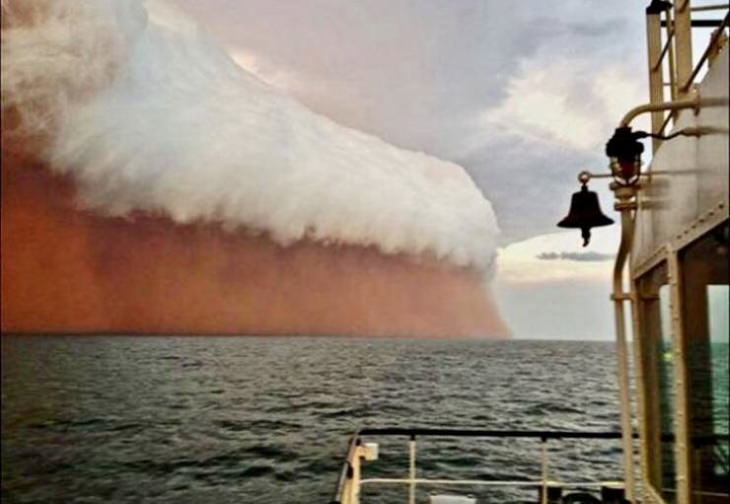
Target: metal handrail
700, 23
485, 483
663, 53
347, 473
714, 7
667, 119
536, 434
543, 435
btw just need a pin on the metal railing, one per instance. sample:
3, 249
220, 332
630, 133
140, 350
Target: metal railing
670, 55
350, 482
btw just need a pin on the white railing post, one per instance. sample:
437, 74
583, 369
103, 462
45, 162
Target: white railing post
412, 470
543, 470
351, 492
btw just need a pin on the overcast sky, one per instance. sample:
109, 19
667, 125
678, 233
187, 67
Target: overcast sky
523, 94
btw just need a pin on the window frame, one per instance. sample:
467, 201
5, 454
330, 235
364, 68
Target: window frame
670, 257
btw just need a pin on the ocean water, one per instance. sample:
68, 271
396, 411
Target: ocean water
266, 420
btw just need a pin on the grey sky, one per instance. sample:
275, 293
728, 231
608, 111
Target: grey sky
558, 310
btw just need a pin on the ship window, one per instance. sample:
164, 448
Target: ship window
657, 355
704, 266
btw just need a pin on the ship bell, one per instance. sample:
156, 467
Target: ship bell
585, 213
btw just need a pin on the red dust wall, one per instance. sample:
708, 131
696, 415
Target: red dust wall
64, 270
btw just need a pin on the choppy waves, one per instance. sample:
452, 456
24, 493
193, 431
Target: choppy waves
266, 420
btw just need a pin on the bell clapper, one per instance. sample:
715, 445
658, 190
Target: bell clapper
586, 235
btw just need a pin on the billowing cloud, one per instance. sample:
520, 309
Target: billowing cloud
523, 96
147, 114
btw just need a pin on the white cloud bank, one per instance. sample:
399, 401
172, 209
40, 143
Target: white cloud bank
147, 114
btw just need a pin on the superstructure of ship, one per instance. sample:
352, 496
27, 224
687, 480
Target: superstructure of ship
670, 291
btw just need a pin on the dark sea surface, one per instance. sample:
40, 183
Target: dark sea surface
266, 420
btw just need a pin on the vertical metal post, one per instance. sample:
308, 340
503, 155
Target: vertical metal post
683, 45
670, 56
681, 420
656, 85
544, 470
626, 205
412, 470
640, 381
